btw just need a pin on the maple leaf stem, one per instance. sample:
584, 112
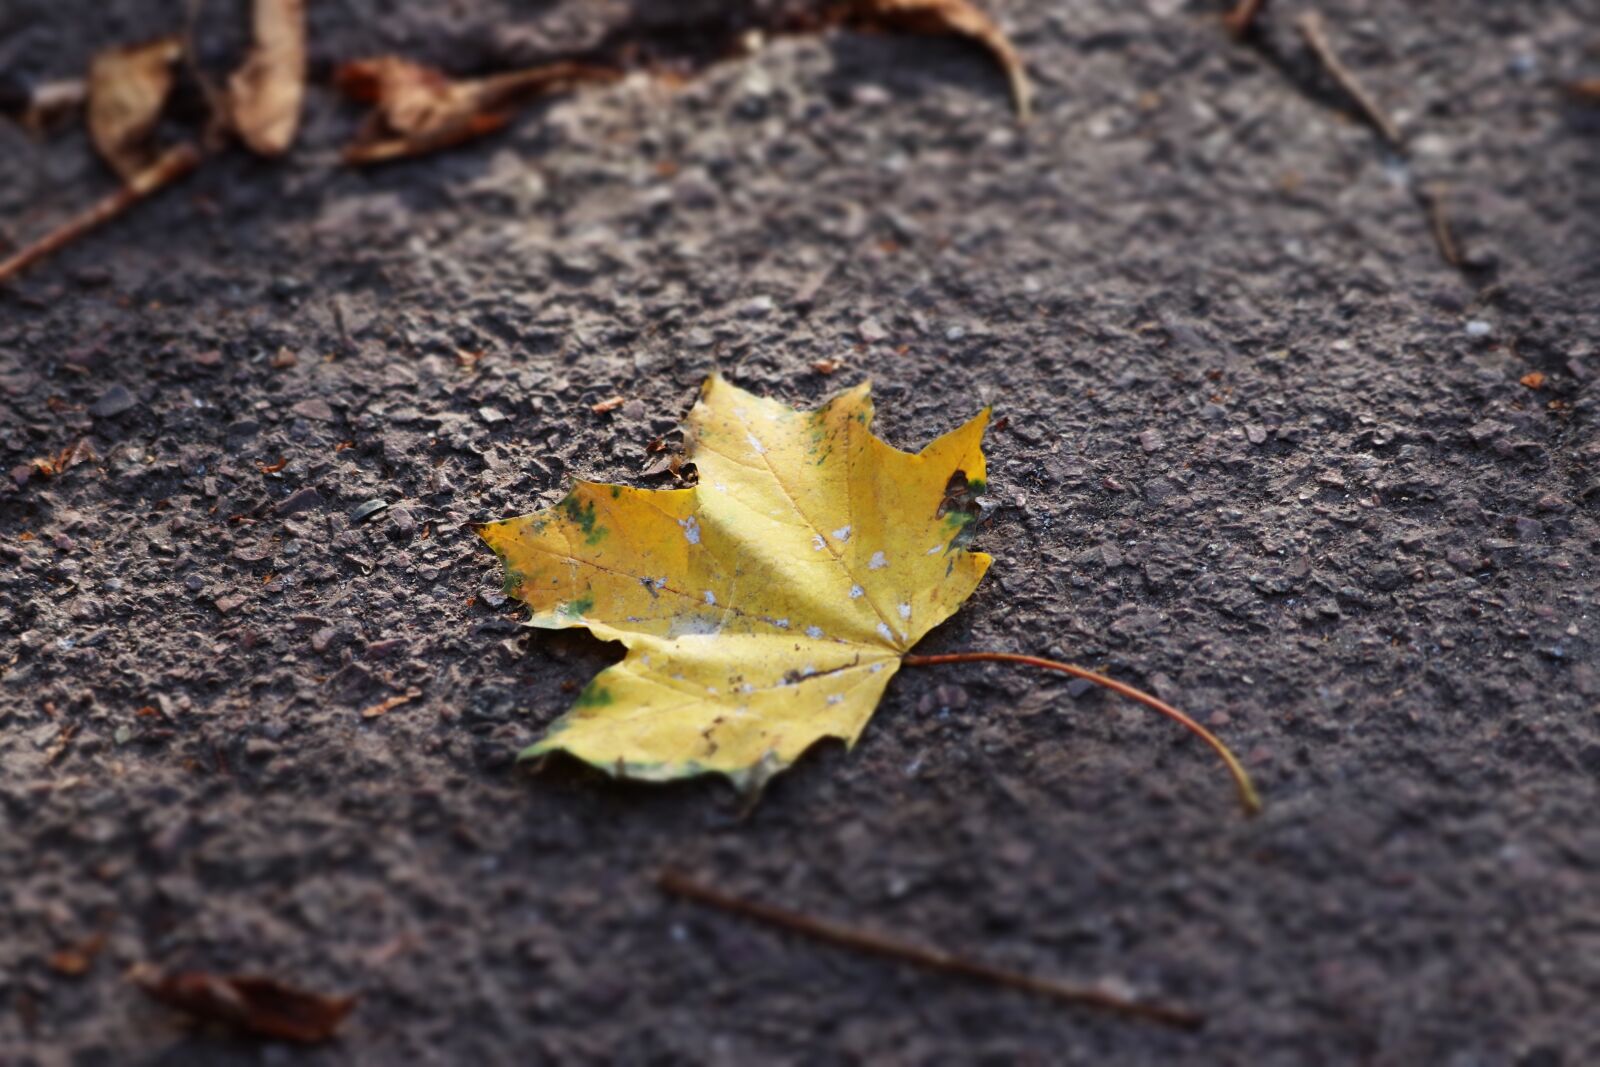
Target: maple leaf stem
933, 959
1241, 778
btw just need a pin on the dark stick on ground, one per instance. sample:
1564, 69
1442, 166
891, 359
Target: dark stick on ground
171, 166
344, 331
1314, 30
1432, 200
682, 885
1242, 18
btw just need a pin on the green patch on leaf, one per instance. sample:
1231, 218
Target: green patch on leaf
594, 695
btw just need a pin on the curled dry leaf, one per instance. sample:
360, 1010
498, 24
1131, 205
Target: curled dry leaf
767, 607
957, 17
264, 94
419, 109
80, 451
251, 1004
128, 87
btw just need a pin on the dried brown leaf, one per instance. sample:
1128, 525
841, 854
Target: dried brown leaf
384, 707
419, 109
80, 451
265, 93
958, 17
128, 86
252, 1004
75, 960
1586, 91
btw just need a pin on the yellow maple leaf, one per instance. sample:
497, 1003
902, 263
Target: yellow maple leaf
767, 607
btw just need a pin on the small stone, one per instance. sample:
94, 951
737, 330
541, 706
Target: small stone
403, 521
491, 416
323, 639
943, 698
209, 358
1487, 430
228, 604
757, 308
1256, 434
314, 408
367, 509
114, 401
872, 331
298, 501
1479, 328
260, 748
1150, 441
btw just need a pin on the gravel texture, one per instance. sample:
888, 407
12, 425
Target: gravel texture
1263, 452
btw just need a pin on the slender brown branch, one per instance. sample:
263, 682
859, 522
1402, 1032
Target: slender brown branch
171, 166
1242, 18
681, 885
1248, 796
1432, 200
1315, 31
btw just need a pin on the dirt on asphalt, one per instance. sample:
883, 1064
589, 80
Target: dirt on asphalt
1264, 453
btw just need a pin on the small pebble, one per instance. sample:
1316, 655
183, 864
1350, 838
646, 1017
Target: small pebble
114, 401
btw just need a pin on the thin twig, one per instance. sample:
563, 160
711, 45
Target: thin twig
171, 166
1248, 796
1432, 201
1314, 30
344, 331
1242, 18
681, 885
